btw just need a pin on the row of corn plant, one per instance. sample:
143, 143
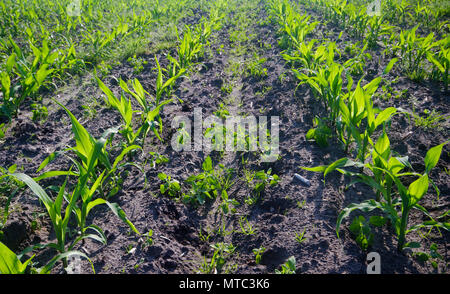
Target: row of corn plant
420, 57
354, 119
44, 41
189, 49
91, 168
98, 175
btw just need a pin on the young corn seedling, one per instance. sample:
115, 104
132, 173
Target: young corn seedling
378, 27
258, 254
358, 20
8, 186
356, 64
85, 143
217, 263
169, 186
150, 110
246, 226
289, 267
326, 84
414, 51
189, 49
300, 237
358, 106
310, 59
60, 221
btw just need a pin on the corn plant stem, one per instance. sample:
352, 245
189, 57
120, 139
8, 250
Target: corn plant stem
403, 223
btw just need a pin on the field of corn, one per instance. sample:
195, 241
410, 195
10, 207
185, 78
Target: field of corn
90, 182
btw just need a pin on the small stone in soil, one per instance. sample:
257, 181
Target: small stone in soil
302, 179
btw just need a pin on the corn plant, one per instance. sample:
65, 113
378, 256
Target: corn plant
310, 59
10, 187
288, 268
441, 62
356, 64
414, 51
54, 209
326, 83
31, 76
294, 27
10, 263
358, 106
222, 253
209, 184
258, 254
358, 20
151, 109
169, 186
91, 157
189, 49
386, 175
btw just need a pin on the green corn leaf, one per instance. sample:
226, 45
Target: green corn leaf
88, 196
432, 157
390, 65
139, 90
42, 195
10, 263
43, 73
317, 169
56, 173
50, 158
172, 79
123, 153
430, 224
382, 149
384, 115
6, 85
365, 206
16, 48
371, 87
10, 63
338, 163
84, 141
112, 100
418, 189
59, 199
431, 58
47, 268
115, 208
395, 165
155, 112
